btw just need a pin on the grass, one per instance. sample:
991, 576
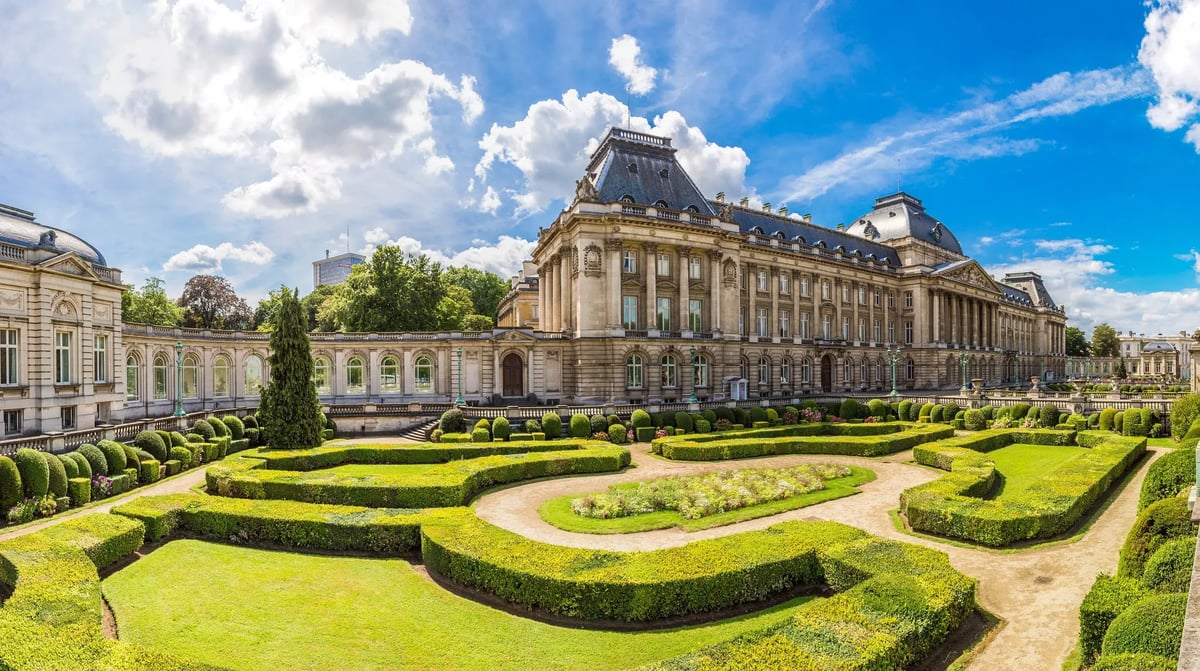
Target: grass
557, 512
1023, 465
1167, 442
259, 610
366, 474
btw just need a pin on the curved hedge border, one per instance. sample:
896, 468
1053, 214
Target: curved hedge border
453, 483
855, 440
953, 506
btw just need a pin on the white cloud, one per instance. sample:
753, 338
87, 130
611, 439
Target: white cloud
1075, 272
490, 202
203, 258
1171, 51
503, 258
202, 78
625, 55
967, 135
550, 146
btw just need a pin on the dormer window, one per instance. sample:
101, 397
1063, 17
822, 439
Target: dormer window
693, 209
663, 173
757, 230
661, 204
627, 198
633, 168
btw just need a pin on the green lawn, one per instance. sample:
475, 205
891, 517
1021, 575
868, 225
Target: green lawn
260, 610
1023, 465
557, 512
367, 473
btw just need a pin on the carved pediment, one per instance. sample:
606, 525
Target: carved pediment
71, 264
513, 336
971, 274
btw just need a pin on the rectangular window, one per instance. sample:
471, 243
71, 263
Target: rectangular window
100, 359
693, 267
862, 329
762, 322
8, 357
891, 301
68, 417
629, 262
845, 328
877, 332
826, 327
664, 265
845, 293
663, 314
62, 357
12, 422
876, 299
862, 296
629, 312
742, 321
804, 286
908, 299
785, 283
891, 332
695, 310
785, 325
762, 280
804, 325
908, 334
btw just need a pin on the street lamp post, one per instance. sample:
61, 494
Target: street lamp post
459, 400
894, 358
178, 379
692, 398
963, 358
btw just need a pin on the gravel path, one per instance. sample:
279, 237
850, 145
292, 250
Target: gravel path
1036, 592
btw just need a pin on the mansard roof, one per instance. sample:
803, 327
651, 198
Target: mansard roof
769, 224
642, 169
18, 228
901, 216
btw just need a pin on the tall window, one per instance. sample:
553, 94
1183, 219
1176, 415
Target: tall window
670, 375
633, 371
826, 327
862, 295
133, 376
254, 375
862, 329
663, 314
891, 302
891, 332
221, 376
805, 371
876, 299
9, 372
742, 320
629, 262
762, 280
845, 328
389, 374
825, 290
695, 310
908, 299
803, 324
100, 359
804, 286
664, 265
629, 311
785, 324
785, 283
878, 370
785, 372
845, 293
877, 331
762, 322
354, 376
423, 375
908, 333
191, 377
764, 370
862, 371
62, 357
700, 371
321, 368
743, 368
160, 376
12, 422
693, 267
846, 370
910, 369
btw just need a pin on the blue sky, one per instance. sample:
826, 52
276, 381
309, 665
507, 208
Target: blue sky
245, 138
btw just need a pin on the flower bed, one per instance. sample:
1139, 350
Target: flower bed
859, 440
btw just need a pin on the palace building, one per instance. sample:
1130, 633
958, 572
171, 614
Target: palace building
642, 290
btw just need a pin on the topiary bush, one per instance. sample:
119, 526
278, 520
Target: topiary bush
1169, 569
501, 428
684, 421
1184, 412
580, 427
453, 421
1048, 417
219, 428
58, 477
935, 414
639, 419
35, 472
480, 436
758, 414
153, 443
1109, 597
1139, 661
1119, 422
617, 434
69, 466
612, 419
973, 420
598, 424
237, 430
904, 410
1167, 477
177, 439
1108, 419
532, 425
1153, 625
1160, 522
204, 429
183, 455
552, 425
149, 471
114, 455
85, 466
11, 489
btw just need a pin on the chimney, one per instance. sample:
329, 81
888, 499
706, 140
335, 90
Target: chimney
744, 201
766, 207
807, 217
783, 211
720, 196
326, 253
841, 226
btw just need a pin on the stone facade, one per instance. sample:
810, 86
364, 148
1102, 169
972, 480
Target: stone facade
1159, 357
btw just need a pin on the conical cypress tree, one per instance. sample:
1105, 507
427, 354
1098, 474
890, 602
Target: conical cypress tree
290, 413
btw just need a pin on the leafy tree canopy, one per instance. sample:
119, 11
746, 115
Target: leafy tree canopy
150, 305
209, 301
266, 315
312, 306
1077, 344
1104, 341
487, 288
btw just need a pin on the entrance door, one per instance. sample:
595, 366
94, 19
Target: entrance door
827, 374
514, 375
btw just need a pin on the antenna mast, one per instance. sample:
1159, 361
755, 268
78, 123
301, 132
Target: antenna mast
628, 108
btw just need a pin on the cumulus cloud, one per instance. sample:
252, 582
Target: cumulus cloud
490, 202
1170, 51
249, 81
971, 134
1075, 273
503, 258
625, 55
550, 146
203, 258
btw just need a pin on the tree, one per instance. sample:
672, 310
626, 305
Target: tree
314, 303
1077, 344
453, 308
209, 301
487, 288
476, 323
289, 412
266, 315
150, 305
1104, 341
1119, 372
392, 291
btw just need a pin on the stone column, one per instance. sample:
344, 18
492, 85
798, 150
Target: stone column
855, 316
612, 247
795, 314
650, 274
543, 289
564, 298
684, 257
714, 290
937, 316
773, 318
751, 297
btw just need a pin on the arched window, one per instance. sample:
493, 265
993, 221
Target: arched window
254, 375
806, 371
700, 372
423, 375
764, 370
354, 376
910, 370
321, 368
633, 371
670, 378
160, 376
133, 378
191, 376
389, 374
221, 376
785, 372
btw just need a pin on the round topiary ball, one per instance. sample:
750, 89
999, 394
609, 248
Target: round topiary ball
599, 424
640, 418
1169, 569
551, 425
453, 421
1153, 625
480, 436
58, 476
204, 429
235, 426
501, 429
183, 455
81, 462
152, 443
1139, 661
95, 458
250, 422
617, 434
69, 466
178, 439
219, 428
11, 490
580, 426
114, 454
35, 472
1160, 522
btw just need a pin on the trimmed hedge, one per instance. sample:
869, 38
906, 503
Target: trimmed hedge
1108, 598
551, 425
1153, 625
501, 428
85, 466
1160, 522
864, 440
11, 489
80, 491
1139, 661
69, 466
204, 429
580, 426
153, 443
1169, 569
58, 477
183, 455
219, 428
148, 471
953, 505
235, 426
1171, 474
114, 455
35, 472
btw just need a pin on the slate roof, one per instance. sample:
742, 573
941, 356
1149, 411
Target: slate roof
643, 168
793, 229
1158, 346
899, 216
1014, 294
18, 228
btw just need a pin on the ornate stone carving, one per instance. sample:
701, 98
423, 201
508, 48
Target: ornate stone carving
972, 275
12, 300
725, 211
574, 262
593, 258
613, 244
102, 312
586, 191
715, 254
729, 273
